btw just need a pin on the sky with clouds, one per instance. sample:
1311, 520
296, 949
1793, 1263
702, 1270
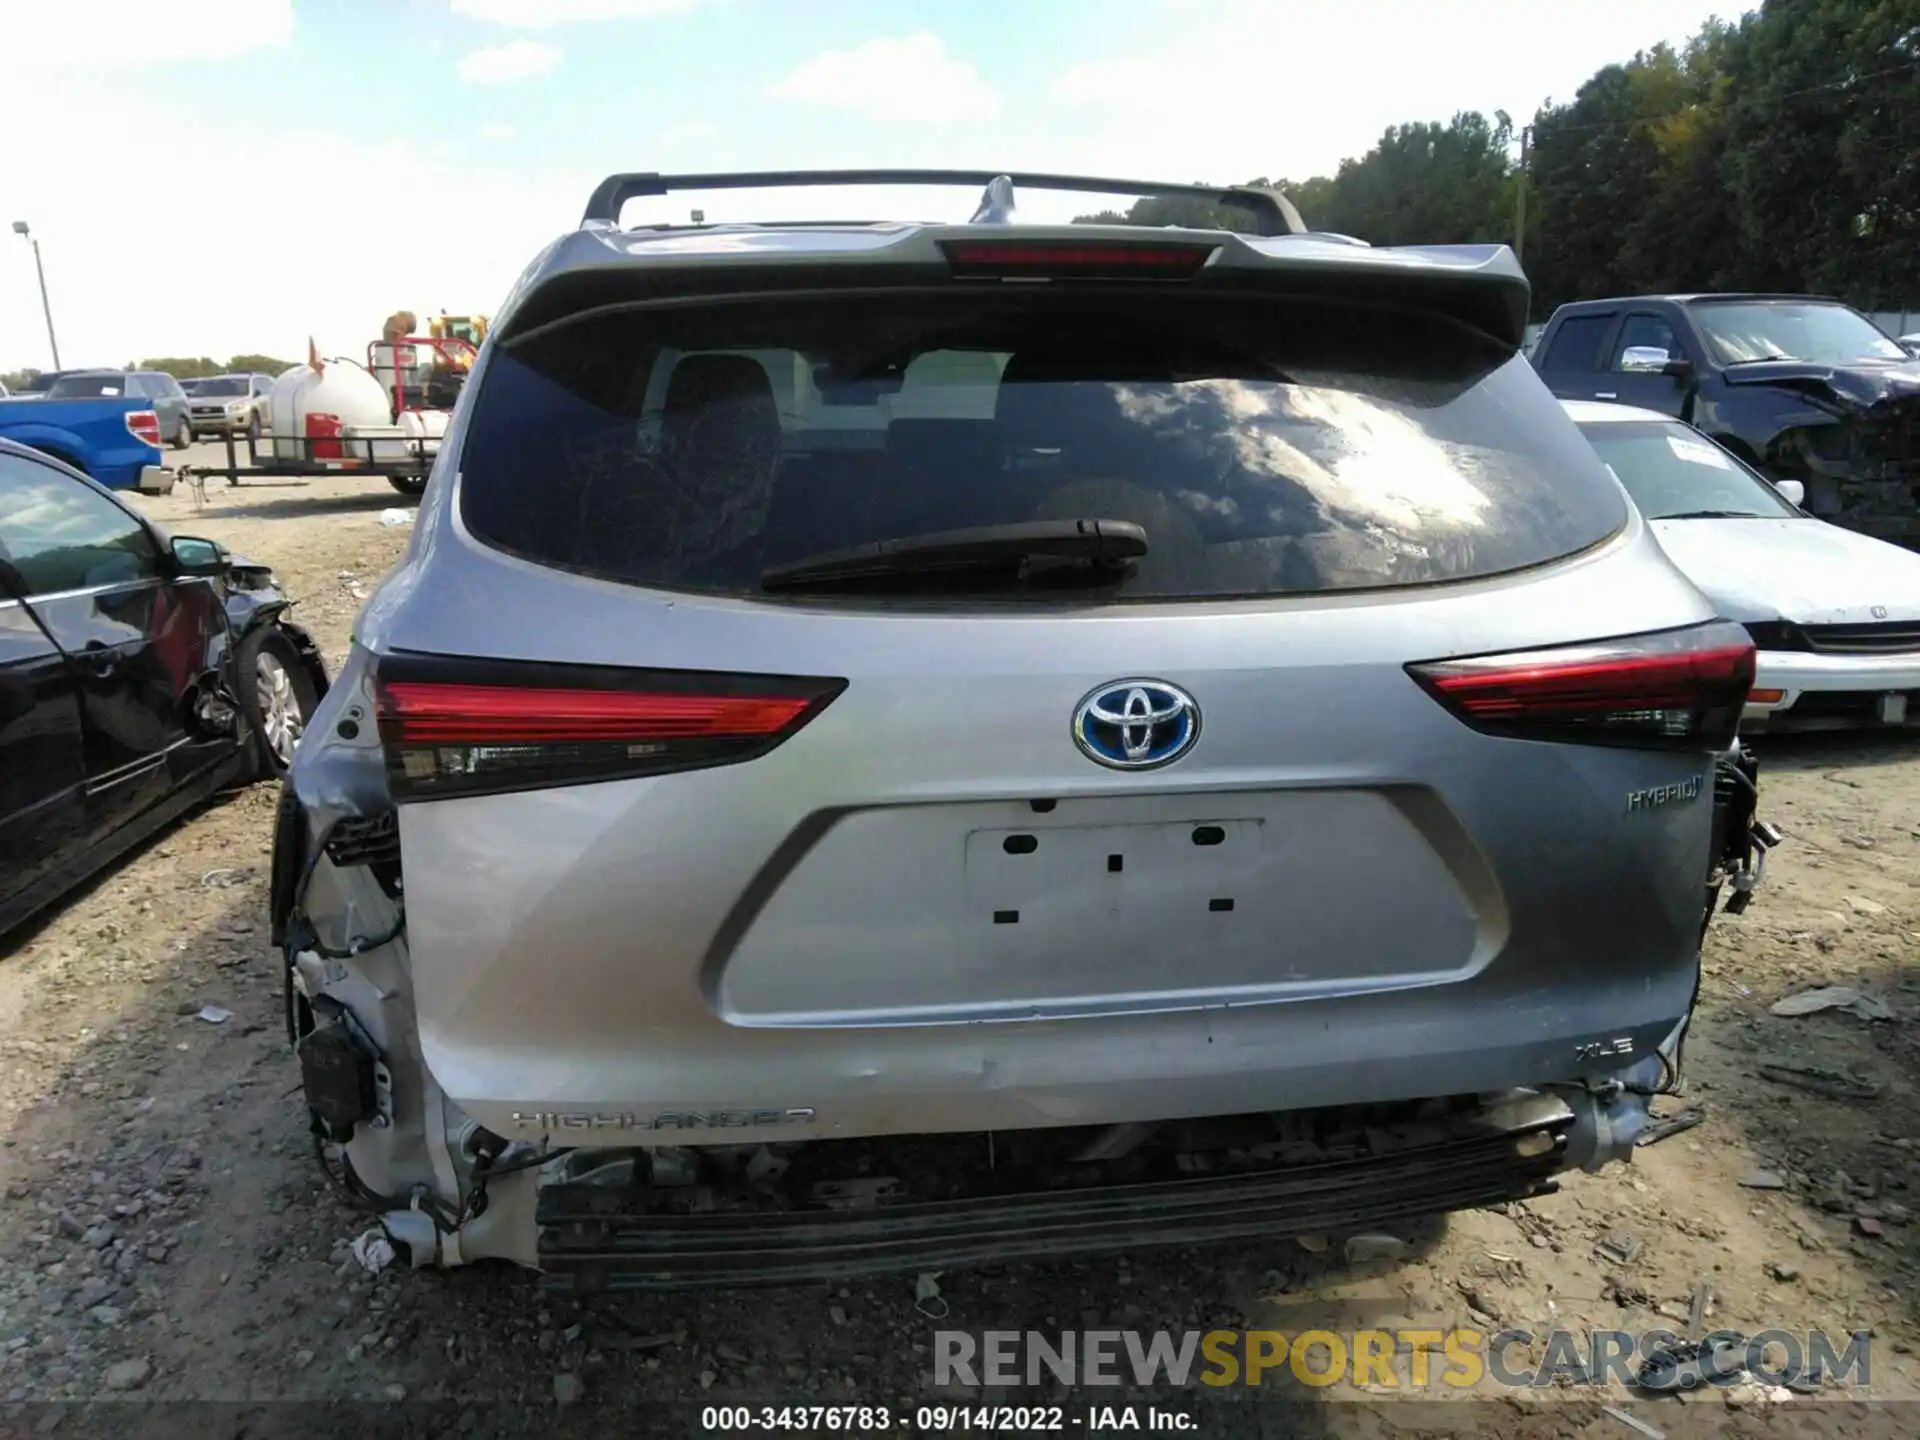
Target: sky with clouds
216, 176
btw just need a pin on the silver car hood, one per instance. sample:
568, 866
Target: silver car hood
1795, 569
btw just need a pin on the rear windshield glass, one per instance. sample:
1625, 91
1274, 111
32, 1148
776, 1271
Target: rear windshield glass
1265, 447
79, 387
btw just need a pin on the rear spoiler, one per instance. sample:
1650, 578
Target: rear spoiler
1272, 212
1481, 286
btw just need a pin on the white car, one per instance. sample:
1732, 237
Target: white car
1835, 614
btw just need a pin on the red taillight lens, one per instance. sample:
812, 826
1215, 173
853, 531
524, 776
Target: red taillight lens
1682, 688
497, 712
144, 426
991, 258
464, 728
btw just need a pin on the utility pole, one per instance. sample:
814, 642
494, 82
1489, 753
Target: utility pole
1520, 200
20, 229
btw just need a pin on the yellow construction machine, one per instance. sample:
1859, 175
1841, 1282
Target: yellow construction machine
471, 328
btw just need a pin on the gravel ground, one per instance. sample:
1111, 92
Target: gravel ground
166, 1236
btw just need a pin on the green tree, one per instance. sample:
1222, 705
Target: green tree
1778, 153
1425, 184
261, 364
1192, 214
1824, 148
1594, 173
181, 367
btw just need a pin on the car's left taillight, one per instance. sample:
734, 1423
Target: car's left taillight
463, 727
144, 426
1680, 689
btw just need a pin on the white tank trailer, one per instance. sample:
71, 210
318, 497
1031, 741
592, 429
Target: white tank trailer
314, 414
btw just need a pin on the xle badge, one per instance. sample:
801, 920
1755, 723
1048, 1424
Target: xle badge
1655, 796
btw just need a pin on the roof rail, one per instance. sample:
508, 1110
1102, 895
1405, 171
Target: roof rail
1272, 212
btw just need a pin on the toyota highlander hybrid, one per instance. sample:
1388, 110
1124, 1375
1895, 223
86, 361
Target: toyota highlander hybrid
907, 744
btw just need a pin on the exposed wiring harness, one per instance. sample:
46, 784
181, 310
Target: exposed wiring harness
472, 1205
364, 1196
309, 933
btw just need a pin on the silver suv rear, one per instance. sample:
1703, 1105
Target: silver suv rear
896, 745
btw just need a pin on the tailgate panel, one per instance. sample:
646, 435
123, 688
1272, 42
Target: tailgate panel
928, 913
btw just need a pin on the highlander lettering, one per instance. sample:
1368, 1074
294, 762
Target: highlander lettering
665, 1120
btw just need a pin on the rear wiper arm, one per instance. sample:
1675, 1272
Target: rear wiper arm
1103, 543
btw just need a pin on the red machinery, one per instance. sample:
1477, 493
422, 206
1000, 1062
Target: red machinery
421, 372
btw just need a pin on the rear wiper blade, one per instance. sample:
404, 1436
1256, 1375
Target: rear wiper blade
1102, 543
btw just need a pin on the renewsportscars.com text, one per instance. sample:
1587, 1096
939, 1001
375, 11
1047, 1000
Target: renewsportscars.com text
1455, 1358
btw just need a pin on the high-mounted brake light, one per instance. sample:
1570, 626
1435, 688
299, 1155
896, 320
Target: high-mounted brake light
454, 727
144, 426
1682, 688
989, 259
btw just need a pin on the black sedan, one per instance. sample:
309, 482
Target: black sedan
139, 674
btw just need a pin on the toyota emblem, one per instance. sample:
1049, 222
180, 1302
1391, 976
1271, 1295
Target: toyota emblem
1136, 724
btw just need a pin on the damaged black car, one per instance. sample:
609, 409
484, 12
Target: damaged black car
140, 673
1800, 386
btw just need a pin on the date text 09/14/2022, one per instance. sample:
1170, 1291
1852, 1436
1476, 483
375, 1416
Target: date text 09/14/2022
944, 1419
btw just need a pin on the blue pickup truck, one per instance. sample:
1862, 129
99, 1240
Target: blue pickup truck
114, 439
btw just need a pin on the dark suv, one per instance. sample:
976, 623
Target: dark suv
1800, 386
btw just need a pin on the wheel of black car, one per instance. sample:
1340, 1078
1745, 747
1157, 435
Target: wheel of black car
278, 695
414, 485
183, 436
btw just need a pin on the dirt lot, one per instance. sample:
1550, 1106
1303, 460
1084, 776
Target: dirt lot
166, 1234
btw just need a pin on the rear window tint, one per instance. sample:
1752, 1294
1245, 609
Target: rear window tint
1266, 447
89, 387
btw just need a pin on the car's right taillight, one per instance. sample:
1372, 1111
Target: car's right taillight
1673, 688
466, 727
144, 426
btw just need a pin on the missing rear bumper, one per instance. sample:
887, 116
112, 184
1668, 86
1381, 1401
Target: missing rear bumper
595, 1236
